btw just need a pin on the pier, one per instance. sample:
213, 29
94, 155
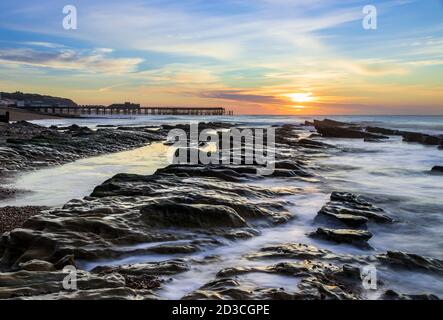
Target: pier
128, 109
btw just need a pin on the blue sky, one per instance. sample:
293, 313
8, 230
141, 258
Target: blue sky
263, 56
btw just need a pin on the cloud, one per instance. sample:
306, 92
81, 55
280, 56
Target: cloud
69, 60
372, 67
43, 44
242, 96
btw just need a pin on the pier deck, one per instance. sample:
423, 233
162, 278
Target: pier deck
121, 110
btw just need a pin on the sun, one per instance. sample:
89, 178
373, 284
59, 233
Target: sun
301, 96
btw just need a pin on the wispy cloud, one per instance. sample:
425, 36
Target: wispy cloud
69, 60
243, 96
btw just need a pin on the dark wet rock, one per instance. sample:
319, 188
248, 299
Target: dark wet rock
393, 295
170, 214
421, 138
26, 146
289, 251
106, 126
300, 251
351, 220
356, 237
348, 203
285, 268
232, 289
437, 169
175, 248
49, 285
37, 265
309, 143
384, 131
342, 132
417, 137
337, 129
233, 173
163, 189
330, 123
411, 261
316, 281
244, 233
220, 172
350, 210
39, 280
376, 140
165, 268
68, 260
131, 209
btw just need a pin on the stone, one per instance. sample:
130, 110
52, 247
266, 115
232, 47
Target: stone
437, 169
356, 237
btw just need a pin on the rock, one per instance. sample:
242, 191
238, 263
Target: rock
289, 251
317, 281
164, 268
309, 143
356, 237
341, 132
409, 136
172, 214
393, 295
411, 261
421, 138
376, 140
132, 209
29, 146
336, 129
351, 220
37, 265
350, 210
437, 169
383, 131
48, 285
68, 260
330, 123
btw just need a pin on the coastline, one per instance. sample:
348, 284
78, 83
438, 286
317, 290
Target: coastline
182, 211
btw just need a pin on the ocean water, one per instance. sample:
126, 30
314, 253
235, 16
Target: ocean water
395, 174
428, 124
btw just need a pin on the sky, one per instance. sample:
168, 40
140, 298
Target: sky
287, 57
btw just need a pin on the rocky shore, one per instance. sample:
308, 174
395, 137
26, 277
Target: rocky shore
181, 213
336, 129
25, 146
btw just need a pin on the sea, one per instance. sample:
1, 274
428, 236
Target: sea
394, 173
